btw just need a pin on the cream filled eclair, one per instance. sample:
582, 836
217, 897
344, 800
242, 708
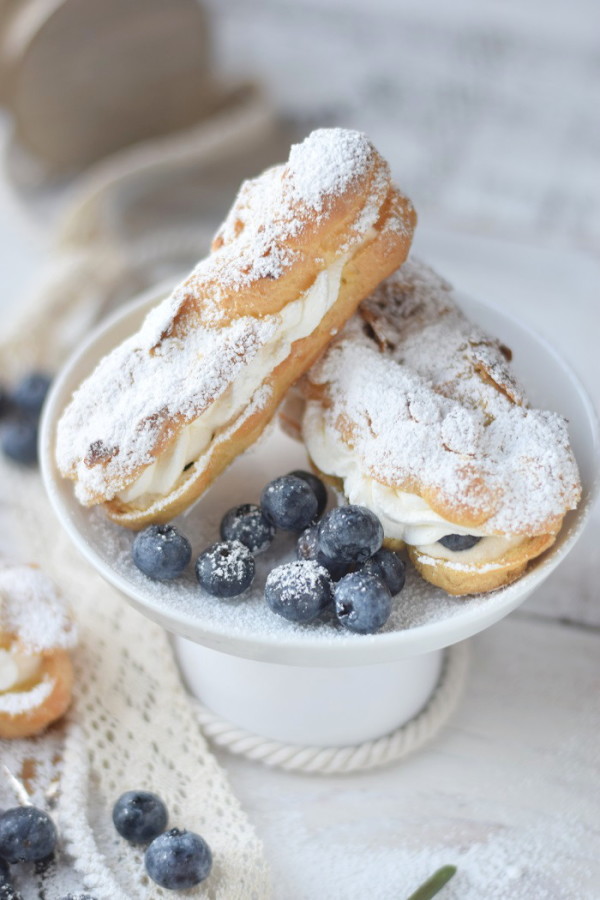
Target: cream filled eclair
36, 634
414, 412
164, 413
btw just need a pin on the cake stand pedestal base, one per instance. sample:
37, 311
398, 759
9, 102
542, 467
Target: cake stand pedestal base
309, 705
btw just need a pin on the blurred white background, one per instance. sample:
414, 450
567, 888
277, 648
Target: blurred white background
487, 111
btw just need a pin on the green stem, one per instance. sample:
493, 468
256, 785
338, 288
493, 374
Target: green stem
434, 884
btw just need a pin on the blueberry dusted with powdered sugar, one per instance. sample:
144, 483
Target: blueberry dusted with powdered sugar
317, 485
225, 569
5, 876
388, 566
9, 892
458, 542
350, 534
299, 591
289, 503
140, 816
161, 552
27, 834
363, 602
248, 524
78, 895
177, 860
307, 547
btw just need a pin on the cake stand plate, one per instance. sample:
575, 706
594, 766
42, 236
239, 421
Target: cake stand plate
310, 684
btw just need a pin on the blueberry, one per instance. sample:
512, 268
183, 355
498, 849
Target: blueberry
178, 860
4, 402
30, 392
8, 892
161, 552
5, 876
139, 816
225, 569
26, 834
317, 485
350, 534
363, 602
78, 895
298, 591
389, 567
289, 502
20, 439
247, 523
307, 547
457, 542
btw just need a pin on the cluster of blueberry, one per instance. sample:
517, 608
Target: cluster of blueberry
174, 859
21, 409
343, 567
341, 564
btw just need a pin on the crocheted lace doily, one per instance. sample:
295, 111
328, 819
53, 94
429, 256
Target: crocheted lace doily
131, 726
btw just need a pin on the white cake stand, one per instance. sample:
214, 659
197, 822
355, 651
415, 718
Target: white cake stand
301, 684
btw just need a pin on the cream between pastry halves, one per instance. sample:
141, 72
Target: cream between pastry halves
414, 412
164, 413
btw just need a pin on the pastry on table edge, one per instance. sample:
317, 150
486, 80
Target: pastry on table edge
36, 634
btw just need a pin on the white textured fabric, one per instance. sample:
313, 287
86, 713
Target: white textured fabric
134, 219
132, 726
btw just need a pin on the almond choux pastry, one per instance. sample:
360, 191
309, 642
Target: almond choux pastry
164, 414
415, 413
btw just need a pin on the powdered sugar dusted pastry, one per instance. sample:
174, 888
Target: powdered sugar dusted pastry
416, 412
170, 408
36, 633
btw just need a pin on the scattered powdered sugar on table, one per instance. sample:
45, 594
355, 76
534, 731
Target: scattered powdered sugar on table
495, 861
439, 413
32, 610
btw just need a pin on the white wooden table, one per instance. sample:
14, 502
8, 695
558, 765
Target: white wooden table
510, 792
489, 122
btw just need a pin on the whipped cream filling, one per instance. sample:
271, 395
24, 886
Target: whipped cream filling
493, 547
294, 322
404, 516
16, 668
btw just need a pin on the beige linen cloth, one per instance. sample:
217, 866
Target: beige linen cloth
132, 724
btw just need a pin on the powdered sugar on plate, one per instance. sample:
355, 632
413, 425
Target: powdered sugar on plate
248, 616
